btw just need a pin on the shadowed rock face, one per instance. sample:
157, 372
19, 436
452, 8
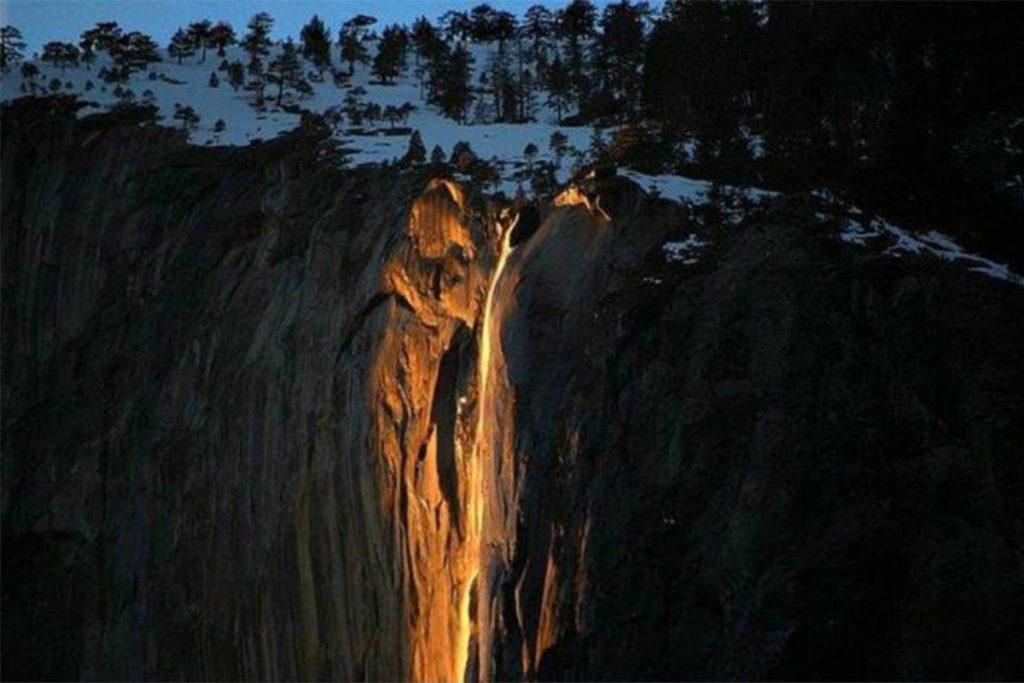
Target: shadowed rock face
242, 438
787, 460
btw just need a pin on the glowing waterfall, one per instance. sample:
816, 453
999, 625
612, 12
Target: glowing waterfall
475, 494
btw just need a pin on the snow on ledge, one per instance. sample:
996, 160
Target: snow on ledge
692, 190
685, 251
934, 243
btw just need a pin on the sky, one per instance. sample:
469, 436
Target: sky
44, 20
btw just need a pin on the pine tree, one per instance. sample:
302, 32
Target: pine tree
29, 73
499, 70
424, 37
559, 88
351, 48
316, 43
504, 28
60, 54
104, 36
88, 55
372, 112
360, 24
481, 20
558, 144
597, 148
187, 115
456, 25
135, 52
527, 95
353, 106
455, 94
405, 110
199, 32
530, 152
390, 55
222, 35
12, 47
284, 71
181, 46
417, 152
257, 41
524, 82
437, 155
236, 75
576, 21
538, 25
575, 24
620, 52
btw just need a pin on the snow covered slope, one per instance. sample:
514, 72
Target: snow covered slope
167, 84
188, 84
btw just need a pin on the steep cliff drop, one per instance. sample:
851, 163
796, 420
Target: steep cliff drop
266, 419
444, 529
439, 483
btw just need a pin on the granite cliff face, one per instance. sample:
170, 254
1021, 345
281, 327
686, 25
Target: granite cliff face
783, 459
263, 419
222, 454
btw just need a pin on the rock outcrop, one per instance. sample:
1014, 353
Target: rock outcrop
265, 419
222, 454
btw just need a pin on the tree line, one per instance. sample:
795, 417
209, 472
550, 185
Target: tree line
914, 109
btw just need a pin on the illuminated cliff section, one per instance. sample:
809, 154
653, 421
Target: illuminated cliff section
423, 379
443, 429
574, 196
532, 596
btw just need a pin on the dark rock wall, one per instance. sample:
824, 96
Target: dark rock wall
791, 459
240, 439
213, 364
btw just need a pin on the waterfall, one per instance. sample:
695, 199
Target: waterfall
481, 445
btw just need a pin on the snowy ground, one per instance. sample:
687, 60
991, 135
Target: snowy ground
168, 83
188, 84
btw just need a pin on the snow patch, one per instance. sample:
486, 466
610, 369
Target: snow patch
691, 190
686, 251
933, 243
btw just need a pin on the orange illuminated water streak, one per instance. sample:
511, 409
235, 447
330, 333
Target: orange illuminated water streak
475, 493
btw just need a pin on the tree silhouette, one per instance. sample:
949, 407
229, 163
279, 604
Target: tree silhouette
60, 54
417, 152
559, 88
29, 73
187, 115
256, 42
390, 58
135, 52
104, 37
453, 93
351, 48
11, 46
181, 45
316, 43
222, 35
284, 71
199, 32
